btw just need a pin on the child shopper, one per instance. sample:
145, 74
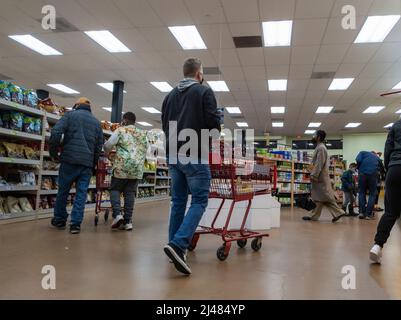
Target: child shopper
348, 188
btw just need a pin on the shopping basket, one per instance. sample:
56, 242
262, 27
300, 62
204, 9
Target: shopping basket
103, 180
237, 183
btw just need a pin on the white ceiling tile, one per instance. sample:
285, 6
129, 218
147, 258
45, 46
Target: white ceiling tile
350, 70
241, 11
300, 71
361, 7
251, 56
298, 85
172, 12
255, 73
388, 52
306, 9
375, 70
336, 34
160, 38
226, 57
206, 11
216, 36
276, 9
277, 56
361, 53
277, 71
304, 55
241, 29
332, 54
232, 73
308, 32
139, 12
385, 7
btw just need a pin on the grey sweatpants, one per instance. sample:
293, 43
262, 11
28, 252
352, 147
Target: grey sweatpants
128, 188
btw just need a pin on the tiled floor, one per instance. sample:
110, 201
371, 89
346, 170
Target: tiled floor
301, 260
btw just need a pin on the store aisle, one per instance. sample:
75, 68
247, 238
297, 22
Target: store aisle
299, 261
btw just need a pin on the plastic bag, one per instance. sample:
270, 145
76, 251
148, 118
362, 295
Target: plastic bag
30, 153
30, 98
16, 93
25, 205
37, 126
11, 149
12, 205
16, 121
27, 178
28, 124
4, 91
2, 209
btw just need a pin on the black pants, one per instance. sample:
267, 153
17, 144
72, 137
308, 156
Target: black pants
379, 188
128, 188
392, 205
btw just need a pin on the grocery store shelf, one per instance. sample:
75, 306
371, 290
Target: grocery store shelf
13, 188
162, 187
302, 182
52, 118
149, 171
20, 134
284, 181
19, 161
162, 178
49, 173
46, 154
9, 105
146, 185
284, 170
54, 191
8, 216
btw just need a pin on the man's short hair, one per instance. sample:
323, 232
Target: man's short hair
130, 117
191, 67
321, 134
353, 164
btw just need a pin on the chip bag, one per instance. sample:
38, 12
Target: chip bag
4, 90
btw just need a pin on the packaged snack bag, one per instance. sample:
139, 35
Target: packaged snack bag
12, 205
37, 125
30, 153
3, 151
47, 105
11, 149
16, 93
28, 125
47, 183
5, 118
4, 91
25, 205
27, 178
16, 121
30, 98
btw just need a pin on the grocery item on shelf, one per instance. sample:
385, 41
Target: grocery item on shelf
16, 93
49, 106
47, 183
24, 204
13, 205
50, 165
14, 150
27, 178
4, 90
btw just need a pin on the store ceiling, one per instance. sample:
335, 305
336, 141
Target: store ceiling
319, 44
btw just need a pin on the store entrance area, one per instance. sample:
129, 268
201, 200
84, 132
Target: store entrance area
298, 261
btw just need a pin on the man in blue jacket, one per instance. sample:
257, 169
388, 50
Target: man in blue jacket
368, 166
81, 148
188, 106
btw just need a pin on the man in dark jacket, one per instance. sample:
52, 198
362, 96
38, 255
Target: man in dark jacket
81, 147
348, 188
368, 166
188, 106
392, 199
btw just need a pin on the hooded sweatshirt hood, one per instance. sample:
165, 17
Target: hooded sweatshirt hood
184, 84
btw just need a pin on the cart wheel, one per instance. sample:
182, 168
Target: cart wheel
96, 220
256, 244
194, 242
241, 243
221, 255
106, 215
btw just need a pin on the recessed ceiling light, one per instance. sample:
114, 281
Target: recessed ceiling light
277, 85
397, 86
107, 109
310, 131
162, 86
188, 37
376, 28
277, 124
353, 125
341, 83
242, 124
324, 109
314, 124
62, 88
277, 109
144, 124
218, 86
151, 110
36, 45
108, 86
389, 125
277, 33
374, 109
108, 41
233, 110
398, 111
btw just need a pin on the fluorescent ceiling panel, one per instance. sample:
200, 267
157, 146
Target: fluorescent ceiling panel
242, 124
397, 86
108, 41
109, 86
376, 28
398, 111
277, 33
314, 124
36, 45
107, 109
162, 86
374, 109
277, 124
188, 37
144, 124
310, 131
353, 125
341, 83
151, 110
277, 85
324, 109
218, 86
277, 110
389, 125
233, 110
62, 88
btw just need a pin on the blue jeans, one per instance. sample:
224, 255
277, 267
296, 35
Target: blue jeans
367, 182
194, 178
68, 174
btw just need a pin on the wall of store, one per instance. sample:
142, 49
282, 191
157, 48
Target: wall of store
353, 143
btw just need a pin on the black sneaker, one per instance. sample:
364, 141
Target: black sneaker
338, 218
361, 216
58, 224
178, 257
306, 218
75, 229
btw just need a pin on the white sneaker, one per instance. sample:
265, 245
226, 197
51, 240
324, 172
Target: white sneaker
117, 222
128, 227
376, 253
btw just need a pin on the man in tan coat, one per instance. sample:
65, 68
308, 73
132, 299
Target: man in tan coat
322, 190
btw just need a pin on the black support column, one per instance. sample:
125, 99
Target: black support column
117, 102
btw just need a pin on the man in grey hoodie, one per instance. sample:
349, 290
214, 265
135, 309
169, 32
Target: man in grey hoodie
188, 106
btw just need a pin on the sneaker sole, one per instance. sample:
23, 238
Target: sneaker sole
179, 264
75, 232
374, 257
117, 224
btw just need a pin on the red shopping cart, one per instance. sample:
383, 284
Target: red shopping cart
237, 182
103, 179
